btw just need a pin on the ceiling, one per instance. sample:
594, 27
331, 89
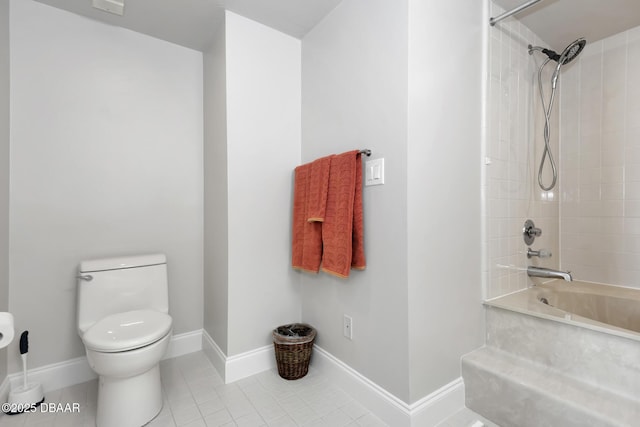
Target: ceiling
559, 22
192, 23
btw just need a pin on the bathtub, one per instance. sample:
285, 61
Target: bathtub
610, 309
558, 354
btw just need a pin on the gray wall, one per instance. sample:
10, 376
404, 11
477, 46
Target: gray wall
371, 80
354, 95
443, 186
263, 131
106, 159
216, 233
4, 170
252, 84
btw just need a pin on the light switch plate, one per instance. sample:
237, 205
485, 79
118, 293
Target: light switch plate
374, 172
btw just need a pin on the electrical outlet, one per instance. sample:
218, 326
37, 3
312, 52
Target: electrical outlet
347, 327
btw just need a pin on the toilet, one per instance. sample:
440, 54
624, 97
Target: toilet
123, 320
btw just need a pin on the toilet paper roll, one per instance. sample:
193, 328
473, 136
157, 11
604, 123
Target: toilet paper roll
6, 329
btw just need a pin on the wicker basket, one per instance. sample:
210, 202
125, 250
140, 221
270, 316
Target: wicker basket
293, 345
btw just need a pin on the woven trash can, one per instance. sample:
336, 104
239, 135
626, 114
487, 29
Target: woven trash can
293, 345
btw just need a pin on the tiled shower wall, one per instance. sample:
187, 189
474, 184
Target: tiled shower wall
512, 154
600, 162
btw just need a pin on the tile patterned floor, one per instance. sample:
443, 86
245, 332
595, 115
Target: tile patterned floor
195, 396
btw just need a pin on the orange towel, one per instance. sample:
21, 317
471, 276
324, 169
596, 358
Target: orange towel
318, 189
328, 224
306, 245
342, 231
358, 260
300, 177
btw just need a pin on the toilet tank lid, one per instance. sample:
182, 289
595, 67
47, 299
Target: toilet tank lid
118, 263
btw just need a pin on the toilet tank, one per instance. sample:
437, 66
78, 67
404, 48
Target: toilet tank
116, 285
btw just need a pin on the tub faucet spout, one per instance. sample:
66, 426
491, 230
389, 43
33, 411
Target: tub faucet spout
548, 273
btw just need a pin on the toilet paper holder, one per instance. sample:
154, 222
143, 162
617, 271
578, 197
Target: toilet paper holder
6, 329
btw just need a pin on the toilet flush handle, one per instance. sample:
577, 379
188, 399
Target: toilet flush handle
85, 277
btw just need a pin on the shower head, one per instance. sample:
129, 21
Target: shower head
567, 55
572, 51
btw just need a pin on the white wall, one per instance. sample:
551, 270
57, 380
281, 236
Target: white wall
443, 190
262, 92
4, 169
216, 234
106, 159
354, 84
600, 161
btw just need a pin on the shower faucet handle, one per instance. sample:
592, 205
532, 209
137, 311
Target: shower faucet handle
534, 232
530, 232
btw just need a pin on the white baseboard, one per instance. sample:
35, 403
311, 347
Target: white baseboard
428, 411
57, 375
436, 407
239, 366
75, 371
250, 363
185, 343
215, 355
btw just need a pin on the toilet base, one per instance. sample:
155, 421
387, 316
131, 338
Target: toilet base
129, 402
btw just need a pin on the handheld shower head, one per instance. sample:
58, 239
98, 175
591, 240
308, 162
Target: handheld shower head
568, 54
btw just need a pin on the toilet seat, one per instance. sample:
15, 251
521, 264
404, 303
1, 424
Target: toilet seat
127, 331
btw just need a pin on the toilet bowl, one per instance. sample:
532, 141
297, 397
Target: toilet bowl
129, 389
125, 327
